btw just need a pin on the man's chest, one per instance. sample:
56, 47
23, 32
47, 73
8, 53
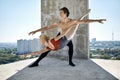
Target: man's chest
65, 26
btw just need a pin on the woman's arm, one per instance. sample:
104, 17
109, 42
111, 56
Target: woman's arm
89, 21
35, 53
44, 28
58, 37
61, 35
40, 51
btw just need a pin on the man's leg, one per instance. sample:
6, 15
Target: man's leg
70, 52
39, 59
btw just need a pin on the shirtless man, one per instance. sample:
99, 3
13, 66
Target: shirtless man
64, 24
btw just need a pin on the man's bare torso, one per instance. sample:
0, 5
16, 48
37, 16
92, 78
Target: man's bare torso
64, 26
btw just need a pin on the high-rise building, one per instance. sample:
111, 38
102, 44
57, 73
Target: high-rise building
27, 46
35, 45
30, 46
112, 36
93, 40
20, 46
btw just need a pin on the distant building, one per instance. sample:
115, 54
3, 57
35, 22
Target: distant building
20, 46
104, 44
28, 46
4, 46
93, 40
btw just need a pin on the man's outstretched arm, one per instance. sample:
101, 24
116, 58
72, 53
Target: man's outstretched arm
44, 28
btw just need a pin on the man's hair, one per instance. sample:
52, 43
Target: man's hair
45, 37
65, 10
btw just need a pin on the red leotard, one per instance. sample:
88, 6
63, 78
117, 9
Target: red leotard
56, 44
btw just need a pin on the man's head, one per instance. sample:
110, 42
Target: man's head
64, 12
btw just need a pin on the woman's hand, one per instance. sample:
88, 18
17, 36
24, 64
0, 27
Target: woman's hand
25, 55
101, 21
32, 32
56, 38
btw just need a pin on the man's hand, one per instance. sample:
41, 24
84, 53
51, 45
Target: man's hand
101, 21
32, 32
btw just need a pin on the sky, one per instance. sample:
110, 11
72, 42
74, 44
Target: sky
19, 17
106, 9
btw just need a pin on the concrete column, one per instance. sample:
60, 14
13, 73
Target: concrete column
50, 14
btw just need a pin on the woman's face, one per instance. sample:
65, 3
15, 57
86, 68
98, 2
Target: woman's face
62, 14
42, 41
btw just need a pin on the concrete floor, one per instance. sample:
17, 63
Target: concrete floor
112, 66
7, 70
56, 69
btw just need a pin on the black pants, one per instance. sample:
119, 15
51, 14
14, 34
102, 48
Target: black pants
70, 52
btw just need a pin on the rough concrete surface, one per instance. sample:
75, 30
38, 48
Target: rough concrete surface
56, 69
112, 66
7, 70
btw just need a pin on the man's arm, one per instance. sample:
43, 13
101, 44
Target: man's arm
89, 21
44, 28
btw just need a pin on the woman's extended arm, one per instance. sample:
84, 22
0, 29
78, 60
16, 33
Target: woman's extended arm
89, 21
62, 34
44, 28
36, 52
58, 37
40, 51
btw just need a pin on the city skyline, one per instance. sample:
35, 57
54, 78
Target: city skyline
18, 18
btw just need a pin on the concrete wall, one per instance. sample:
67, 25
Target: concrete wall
50, 14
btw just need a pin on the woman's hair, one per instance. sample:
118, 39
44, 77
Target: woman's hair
65, 10
45, 37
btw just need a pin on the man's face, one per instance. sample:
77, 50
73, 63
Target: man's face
62, 14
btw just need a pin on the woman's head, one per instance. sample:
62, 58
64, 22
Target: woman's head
64, 12
44, 38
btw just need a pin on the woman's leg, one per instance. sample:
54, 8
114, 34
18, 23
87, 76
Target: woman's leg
70, 52
43, 55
